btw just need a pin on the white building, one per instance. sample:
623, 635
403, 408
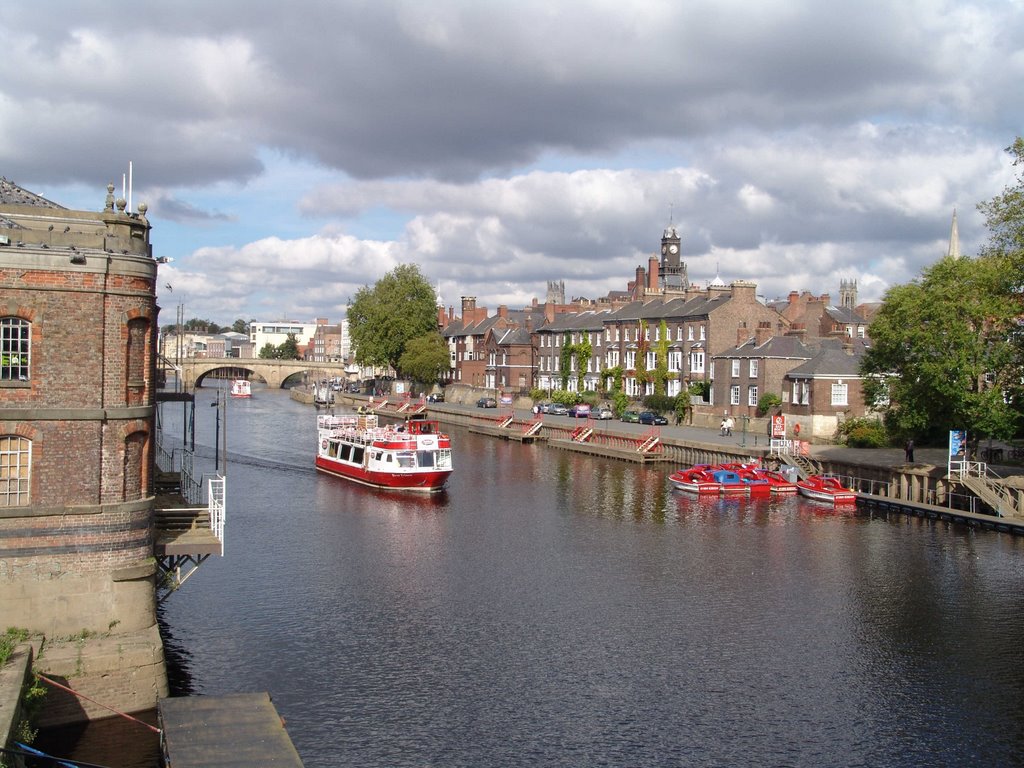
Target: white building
276, 333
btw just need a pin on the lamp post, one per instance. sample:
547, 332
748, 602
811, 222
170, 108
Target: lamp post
746, 420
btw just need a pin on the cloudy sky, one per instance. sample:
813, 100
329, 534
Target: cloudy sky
293, 152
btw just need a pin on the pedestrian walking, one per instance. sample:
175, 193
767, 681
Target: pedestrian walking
721, 428
728, 425
910, 451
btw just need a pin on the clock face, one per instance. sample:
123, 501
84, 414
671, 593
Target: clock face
674, 248
664, 249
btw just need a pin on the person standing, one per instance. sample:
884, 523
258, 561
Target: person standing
728, 425
909, 449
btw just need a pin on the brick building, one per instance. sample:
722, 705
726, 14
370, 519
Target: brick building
78, 321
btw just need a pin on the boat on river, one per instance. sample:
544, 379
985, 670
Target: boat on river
721, 479
826, 488
696, 479
241, 388
778, 483
414, 456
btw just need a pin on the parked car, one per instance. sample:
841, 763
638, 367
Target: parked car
650, 417
486, 402
631, 416
436, 398
603, 414
580, 411
557, 409
355, 388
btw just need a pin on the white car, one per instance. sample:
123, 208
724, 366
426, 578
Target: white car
603, 413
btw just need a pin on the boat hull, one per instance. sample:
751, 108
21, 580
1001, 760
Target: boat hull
826, 489
416, 482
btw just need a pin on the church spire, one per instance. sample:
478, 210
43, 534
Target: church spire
954, 239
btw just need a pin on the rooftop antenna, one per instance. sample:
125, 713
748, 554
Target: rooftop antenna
129, 198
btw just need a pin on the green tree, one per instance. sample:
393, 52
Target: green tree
240, 326
400, 307
289, 348
683, 407
661, 360
268, 352
425, 358
943, 354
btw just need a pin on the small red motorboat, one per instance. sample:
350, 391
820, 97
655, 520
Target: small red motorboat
826, 488
696, 479
777, 481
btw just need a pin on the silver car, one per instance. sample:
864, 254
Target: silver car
603, 413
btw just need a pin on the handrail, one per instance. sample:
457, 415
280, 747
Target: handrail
217, 489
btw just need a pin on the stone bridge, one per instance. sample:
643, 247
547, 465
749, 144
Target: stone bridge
277, 373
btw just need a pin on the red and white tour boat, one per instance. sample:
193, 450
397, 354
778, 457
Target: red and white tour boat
415, 456
241, 388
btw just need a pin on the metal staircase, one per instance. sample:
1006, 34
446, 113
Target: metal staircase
649, 443
974, 475
805, 465
582, 434
533, 427
507, 421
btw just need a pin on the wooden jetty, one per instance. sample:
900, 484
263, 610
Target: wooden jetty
241, 729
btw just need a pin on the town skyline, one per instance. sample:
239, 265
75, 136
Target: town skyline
290, 157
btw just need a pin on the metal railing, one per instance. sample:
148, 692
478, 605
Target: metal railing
217, 494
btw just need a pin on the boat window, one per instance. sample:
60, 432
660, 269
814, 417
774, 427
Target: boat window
357, 454
407, 459
332, 449
425, 458
346, 452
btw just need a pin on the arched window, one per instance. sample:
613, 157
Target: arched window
15, 466
15, 335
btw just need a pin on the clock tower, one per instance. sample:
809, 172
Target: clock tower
672, 273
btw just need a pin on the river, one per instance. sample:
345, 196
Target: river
551, 609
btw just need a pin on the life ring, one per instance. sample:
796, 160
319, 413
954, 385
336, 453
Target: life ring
324, 445
796, 430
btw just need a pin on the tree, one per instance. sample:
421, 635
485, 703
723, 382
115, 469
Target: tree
240, 326
943, 354
400, 307
289, 348
425, 358
286, 350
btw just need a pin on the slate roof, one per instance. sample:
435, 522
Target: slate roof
778, 347
844, 315
12, 194
512, 336
830, 362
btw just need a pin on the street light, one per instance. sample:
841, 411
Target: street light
746, 420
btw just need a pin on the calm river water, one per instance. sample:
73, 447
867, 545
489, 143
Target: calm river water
557, 610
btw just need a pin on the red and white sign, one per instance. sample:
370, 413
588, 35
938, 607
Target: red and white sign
779, 425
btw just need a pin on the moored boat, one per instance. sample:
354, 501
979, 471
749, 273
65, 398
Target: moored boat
730, 483
241, 388
826, 488
778, 483
415, 456
696, 479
